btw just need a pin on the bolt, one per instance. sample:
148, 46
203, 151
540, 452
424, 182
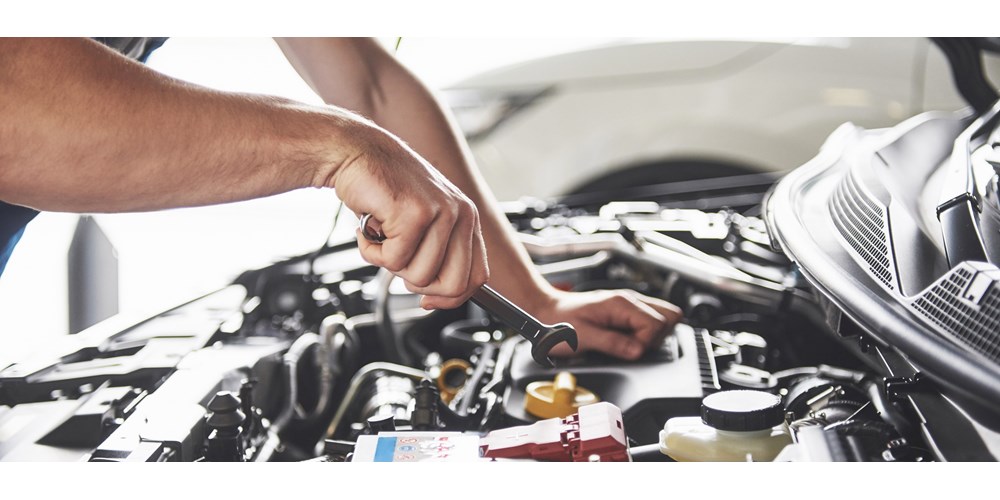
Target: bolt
896, 443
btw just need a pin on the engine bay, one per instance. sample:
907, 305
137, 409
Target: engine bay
323, 357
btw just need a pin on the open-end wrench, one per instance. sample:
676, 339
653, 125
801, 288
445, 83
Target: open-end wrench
542, 337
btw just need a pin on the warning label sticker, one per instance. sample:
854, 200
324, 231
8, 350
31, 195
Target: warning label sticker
417, 447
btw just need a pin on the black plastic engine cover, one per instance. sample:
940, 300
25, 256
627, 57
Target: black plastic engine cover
665, 383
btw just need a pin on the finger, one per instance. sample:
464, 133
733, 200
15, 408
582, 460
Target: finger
430, 302
623, 312
672, 313
426, 263
610, 342
649, 326
452, 280
371, 252
403, 233
479, 275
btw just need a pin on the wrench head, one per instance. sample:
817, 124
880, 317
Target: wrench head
560, 332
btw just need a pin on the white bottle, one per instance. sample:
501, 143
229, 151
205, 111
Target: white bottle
735, 426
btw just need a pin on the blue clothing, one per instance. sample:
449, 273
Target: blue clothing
135, 48
14, 218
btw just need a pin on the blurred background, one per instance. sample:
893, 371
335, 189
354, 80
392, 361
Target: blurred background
545, 118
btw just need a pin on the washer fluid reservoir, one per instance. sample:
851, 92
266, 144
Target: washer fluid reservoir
735, 426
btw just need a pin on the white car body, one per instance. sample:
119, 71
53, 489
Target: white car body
758, 105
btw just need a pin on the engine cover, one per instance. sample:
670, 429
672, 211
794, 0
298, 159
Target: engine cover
664, 383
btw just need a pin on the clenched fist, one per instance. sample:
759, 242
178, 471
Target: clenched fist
433, 240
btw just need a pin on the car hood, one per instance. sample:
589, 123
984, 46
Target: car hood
851, 220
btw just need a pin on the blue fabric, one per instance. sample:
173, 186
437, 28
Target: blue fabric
13, 218
138, 48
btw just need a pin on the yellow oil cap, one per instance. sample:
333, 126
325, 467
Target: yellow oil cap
451, 378
557, 399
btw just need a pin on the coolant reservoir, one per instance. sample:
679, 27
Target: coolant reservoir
735, 426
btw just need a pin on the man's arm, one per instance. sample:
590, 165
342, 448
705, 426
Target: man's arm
360, 75
87, 130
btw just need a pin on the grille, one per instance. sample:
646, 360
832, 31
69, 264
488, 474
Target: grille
862, 222
977, 326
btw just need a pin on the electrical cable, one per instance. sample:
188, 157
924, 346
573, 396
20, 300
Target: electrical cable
326, 241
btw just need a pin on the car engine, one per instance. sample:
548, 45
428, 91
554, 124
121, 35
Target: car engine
323, 357
847, 312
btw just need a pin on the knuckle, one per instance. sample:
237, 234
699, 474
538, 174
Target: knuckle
455, 210
620, 299
480, 279
421, 281
410, 287
424, 212
677, 313
475, 217
394, 263
630, 350
454, 289
466, 209
447, 219
371, 258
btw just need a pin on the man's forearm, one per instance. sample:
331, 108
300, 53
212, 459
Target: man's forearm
86, 130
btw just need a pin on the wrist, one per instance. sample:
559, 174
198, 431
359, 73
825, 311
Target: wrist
338, 141
540, 297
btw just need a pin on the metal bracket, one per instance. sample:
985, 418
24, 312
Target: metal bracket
899, 387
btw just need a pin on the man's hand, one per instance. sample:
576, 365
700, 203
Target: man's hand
433, 239
358, 74
621, 323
